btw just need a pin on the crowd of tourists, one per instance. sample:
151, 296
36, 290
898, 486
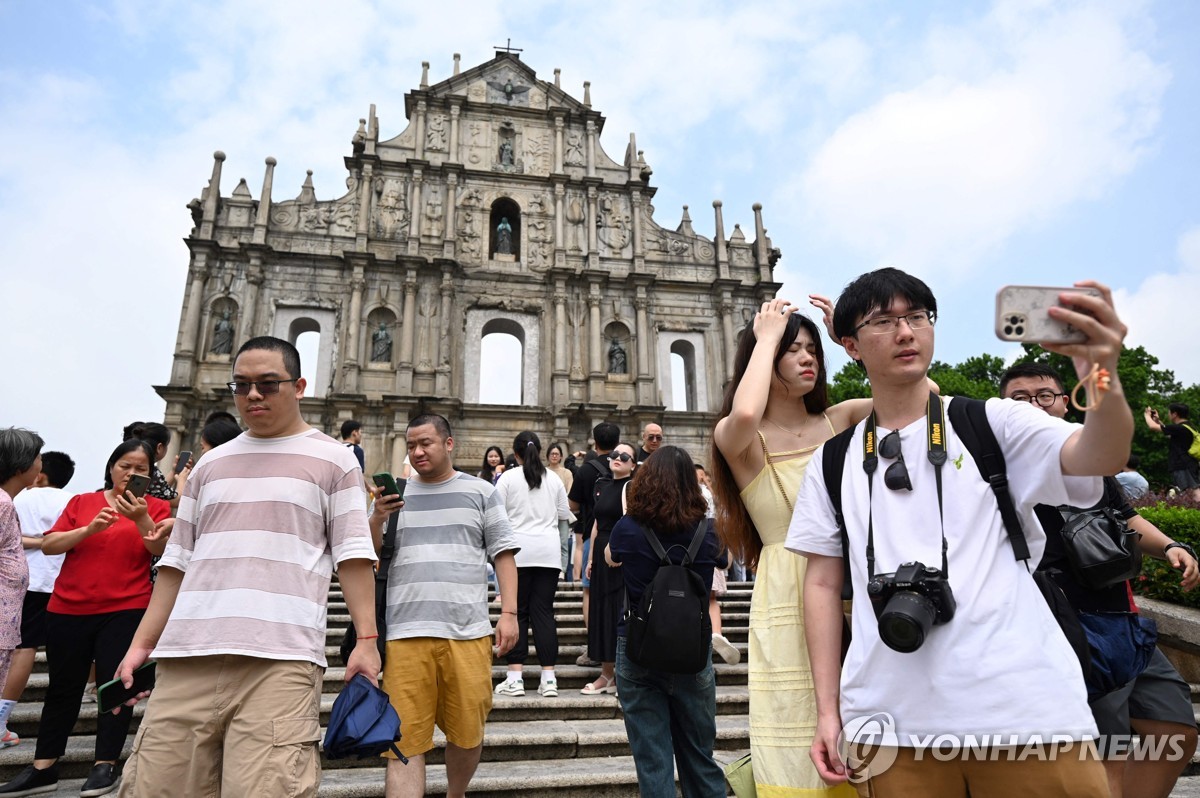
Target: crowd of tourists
974, 617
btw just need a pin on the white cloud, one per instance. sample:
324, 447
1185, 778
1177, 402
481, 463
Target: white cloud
1030, 110
1161, 312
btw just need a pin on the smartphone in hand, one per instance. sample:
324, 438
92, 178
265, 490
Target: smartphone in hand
111, 695
182, 461
138, 484
391, 486
1023, 314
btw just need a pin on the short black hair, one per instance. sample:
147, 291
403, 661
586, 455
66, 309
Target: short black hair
439, 423
19, 449
1132, 463
219, 432
222, 414
58, 468
1180, 409
348, 427
607, 435
269, 343
1031, 371
876, 291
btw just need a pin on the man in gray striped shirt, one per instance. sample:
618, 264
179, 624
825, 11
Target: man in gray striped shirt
439, 651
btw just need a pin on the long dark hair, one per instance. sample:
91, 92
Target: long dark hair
487, 468
664, 494
131, 445
734, 527
528, 447
150, 431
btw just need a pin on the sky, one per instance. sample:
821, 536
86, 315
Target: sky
975, 144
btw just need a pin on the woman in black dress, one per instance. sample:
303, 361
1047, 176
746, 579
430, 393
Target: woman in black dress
607, 584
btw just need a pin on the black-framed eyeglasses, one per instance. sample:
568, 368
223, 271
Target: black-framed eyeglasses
884, 325
1043, 398
896, 476
264, 387
624, 458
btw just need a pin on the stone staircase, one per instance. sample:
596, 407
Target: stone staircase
572, 745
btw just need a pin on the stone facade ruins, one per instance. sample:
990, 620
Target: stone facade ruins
496, 210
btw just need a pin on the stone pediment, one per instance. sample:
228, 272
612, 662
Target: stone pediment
503, 81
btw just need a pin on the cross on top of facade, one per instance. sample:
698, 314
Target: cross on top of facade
508, 48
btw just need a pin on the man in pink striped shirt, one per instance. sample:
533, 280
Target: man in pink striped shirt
237, 618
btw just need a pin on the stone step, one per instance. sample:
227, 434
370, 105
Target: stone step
504, 741
569, 705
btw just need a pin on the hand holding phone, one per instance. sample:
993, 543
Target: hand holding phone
111, 695
138, 484
182, 461
1023, 314
391, 486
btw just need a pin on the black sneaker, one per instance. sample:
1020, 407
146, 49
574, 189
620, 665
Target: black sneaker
101, 781
32, 781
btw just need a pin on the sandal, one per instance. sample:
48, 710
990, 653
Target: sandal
609, 686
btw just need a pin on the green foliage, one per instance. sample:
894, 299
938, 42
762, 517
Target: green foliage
976, 377
1158, 579
849, 383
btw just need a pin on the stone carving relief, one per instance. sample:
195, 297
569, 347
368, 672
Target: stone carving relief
613, 225
470, 223
427, 309
540, 255
433, 215
475, 142
537, 152
435, 134
575, 217
390, 219
477, 92
740, 257
505, 87
574, 149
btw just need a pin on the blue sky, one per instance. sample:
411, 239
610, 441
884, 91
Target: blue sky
973, 143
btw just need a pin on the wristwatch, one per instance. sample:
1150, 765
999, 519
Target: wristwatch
1178, 545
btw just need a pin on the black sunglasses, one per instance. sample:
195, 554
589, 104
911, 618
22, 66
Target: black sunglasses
624, 458
896, 476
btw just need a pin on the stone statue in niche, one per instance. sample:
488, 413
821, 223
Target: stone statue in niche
223, 334
435, 136
617, 361
381, 345
506, 153
504, 237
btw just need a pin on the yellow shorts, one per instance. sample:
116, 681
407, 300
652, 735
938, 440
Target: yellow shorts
447, 682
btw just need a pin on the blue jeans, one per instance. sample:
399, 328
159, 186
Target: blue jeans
670, 716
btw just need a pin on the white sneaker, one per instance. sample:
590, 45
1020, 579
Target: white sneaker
548, 689
726, 650
512, 688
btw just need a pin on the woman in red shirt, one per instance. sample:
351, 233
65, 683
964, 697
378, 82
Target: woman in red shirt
103, 590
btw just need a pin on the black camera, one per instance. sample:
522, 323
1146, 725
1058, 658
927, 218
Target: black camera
908, 602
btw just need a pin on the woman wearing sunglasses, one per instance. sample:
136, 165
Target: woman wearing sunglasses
607, 582
775, 414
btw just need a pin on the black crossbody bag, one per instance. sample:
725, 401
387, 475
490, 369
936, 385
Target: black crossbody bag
350, 639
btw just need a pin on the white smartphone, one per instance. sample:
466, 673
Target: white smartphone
1023, 314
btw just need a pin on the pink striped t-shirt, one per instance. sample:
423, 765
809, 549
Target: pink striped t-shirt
260, 527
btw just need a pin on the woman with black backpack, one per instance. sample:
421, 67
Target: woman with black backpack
670, 717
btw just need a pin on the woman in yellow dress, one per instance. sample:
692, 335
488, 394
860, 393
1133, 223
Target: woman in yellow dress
775, 414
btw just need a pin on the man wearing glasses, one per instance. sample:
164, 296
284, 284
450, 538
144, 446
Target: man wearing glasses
237, 617
652, 439
987, 661
1158, 703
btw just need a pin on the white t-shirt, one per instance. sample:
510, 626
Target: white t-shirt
1001, 666
535, 515
37, 510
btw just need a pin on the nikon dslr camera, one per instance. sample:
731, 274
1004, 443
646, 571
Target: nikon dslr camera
908, 602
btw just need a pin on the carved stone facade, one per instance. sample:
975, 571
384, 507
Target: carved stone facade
496, 210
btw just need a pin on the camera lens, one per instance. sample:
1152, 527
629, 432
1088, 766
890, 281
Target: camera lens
905, 621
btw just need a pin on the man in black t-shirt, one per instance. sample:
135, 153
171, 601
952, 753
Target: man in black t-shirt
1158, 702
606, 436
1185, 469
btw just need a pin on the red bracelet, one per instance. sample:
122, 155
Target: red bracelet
368, 637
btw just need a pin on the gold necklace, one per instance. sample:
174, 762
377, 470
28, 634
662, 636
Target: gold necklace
799, 434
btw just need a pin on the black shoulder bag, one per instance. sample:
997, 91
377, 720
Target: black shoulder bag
350, 639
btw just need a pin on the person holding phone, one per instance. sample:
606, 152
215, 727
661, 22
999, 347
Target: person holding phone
101, 593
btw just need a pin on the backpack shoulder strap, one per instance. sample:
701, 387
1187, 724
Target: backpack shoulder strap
652, 539
697, 539
833, 461
970, 422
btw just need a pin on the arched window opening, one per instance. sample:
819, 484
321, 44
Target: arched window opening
502, 363
309, 345
505, 230
683, 376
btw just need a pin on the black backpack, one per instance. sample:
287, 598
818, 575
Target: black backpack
968, 417
670, 630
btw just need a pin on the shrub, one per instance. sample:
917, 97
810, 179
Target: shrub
1179, 519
